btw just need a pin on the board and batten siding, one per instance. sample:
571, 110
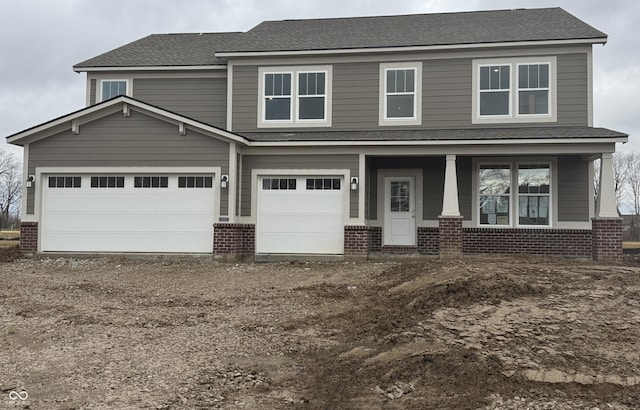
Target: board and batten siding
573, 189
447, 93
301, 162
203, 99
135, 141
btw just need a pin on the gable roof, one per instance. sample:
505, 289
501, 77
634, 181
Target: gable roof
93, 112
189, 49
351, 33
477, 27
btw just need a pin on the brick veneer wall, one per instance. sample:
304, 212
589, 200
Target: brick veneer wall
29, 237
551, 242
357, 241
607, 239
428, 240
234, 239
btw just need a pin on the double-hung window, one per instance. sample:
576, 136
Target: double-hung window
112, 88
514, 90
400, 93
295, 97
533, 194
521, 189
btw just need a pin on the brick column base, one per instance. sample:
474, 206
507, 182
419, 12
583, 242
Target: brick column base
450, 240
234, 242
357, 241
29, 237
607, 239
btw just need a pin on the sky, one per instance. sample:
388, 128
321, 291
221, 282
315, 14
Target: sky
40, 41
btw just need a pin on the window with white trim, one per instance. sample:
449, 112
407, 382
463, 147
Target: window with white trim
279, 184
295, 96
112, 88
400, 93
107, 182
534, 182
514, 90
525, 192
494, 194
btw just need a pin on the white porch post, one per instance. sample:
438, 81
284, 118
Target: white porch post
450, 205
607, 207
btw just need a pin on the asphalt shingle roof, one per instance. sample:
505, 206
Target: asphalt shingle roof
189, 49
477, 134
442, 29
417, 30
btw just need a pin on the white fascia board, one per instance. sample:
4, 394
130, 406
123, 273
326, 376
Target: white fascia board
151, 68
601, 40
133, 103
438, 142
62, 120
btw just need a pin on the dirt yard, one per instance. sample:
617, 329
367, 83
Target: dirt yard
477, 333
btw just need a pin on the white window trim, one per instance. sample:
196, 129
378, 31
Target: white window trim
513, 116
383, 120
294, 121
514, 194
102, 80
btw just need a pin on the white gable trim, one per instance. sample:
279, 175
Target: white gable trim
110, 107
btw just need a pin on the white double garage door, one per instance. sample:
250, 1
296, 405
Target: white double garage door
176, 213
128, 213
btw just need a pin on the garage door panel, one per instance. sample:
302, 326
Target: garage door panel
300, 220
128, 219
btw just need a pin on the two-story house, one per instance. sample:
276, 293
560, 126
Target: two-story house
436, 134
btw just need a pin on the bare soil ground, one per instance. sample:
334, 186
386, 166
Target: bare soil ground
476, 333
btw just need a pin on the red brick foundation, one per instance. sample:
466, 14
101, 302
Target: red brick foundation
233, 241
450, 237
29, 237
357, 241
607, 239
428, 241
541, 242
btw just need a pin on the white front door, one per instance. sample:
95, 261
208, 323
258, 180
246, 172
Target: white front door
399, 211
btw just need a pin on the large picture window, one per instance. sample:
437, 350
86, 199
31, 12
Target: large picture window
514, 90
400, 93
514, 194
295, 96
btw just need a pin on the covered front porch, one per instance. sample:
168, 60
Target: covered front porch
464, 204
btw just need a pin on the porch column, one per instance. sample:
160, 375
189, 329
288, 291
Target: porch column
606, 227
450, 221
607, 207
450, 205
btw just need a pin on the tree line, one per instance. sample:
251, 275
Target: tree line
10, 190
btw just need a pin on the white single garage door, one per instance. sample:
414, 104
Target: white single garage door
128, 213
300, 215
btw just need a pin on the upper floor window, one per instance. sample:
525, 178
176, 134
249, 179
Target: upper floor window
295, 97
514, 90
112, 88
400, 93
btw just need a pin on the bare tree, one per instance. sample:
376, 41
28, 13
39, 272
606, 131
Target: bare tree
633, 180
10, 187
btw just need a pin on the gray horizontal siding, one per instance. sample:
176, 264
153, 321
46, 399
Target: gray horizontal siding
251, 162
447, 93
573, 189
203, 99
138, 140
573, 106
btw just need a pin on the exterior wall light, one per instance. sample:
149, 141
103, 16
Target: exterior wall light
30, 181
224, 181
354, 183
